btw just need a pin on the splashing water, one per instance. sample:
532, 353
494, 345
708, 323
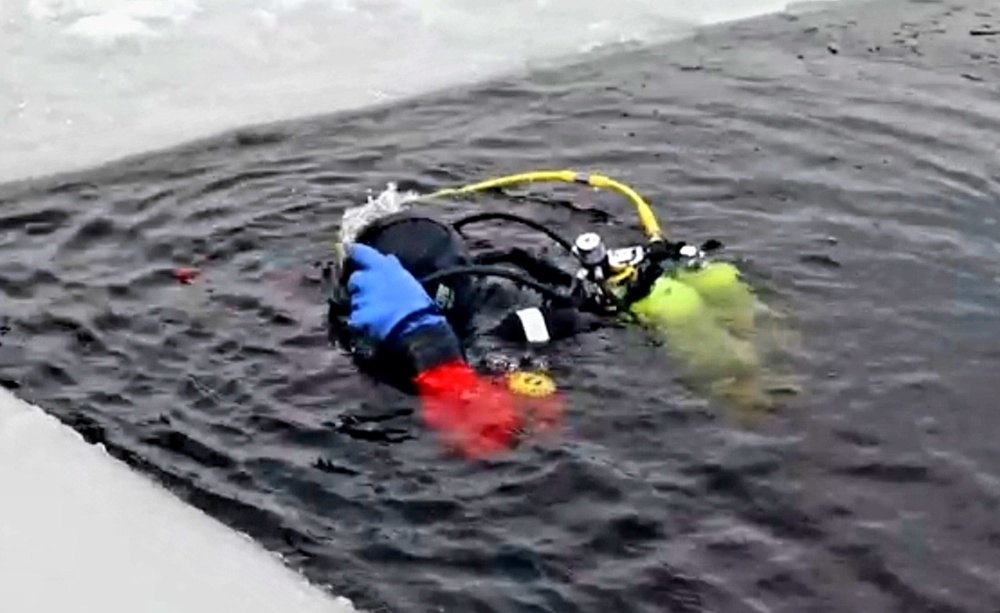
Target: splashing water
355, 219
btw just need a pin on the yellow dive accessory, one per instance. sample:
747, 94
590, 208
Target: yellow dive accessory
531, 383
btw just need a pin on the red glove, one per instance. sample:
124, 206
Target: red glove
481, 416
476, 415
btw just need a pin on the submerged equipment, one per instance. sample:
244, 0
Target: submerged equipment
662, 283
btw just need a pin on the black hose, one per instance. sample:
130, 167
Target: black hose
538, 268
495, 271
565, 244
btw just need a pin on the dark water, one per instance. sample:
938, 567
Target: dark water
859, 183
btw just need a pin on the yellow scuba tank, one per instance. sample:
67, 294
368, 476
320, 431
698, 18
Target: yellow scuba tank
721, 287
701, 311
669, 303
693, 332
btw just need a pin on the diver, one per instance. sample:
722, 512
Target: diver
407, 291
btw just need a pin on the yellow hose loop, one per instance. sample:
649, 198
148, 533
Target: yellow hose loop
646, 216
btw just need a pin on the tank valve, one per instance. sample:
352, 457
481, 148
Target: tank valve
590, 249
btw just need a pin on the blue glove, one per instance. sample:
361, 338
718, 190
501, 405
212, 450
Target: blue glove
385, 296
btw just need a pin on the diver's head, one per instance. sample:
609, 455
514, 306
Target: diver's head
425, 246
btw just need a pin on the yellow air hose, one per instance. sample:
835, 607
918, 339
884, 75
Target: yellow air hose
646, 216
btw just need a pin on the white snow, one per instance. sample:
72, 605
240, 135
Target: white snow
80, 531
87, 81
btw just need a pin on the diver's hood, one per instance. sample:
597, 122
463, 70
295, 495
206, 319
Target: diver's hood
425, 246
